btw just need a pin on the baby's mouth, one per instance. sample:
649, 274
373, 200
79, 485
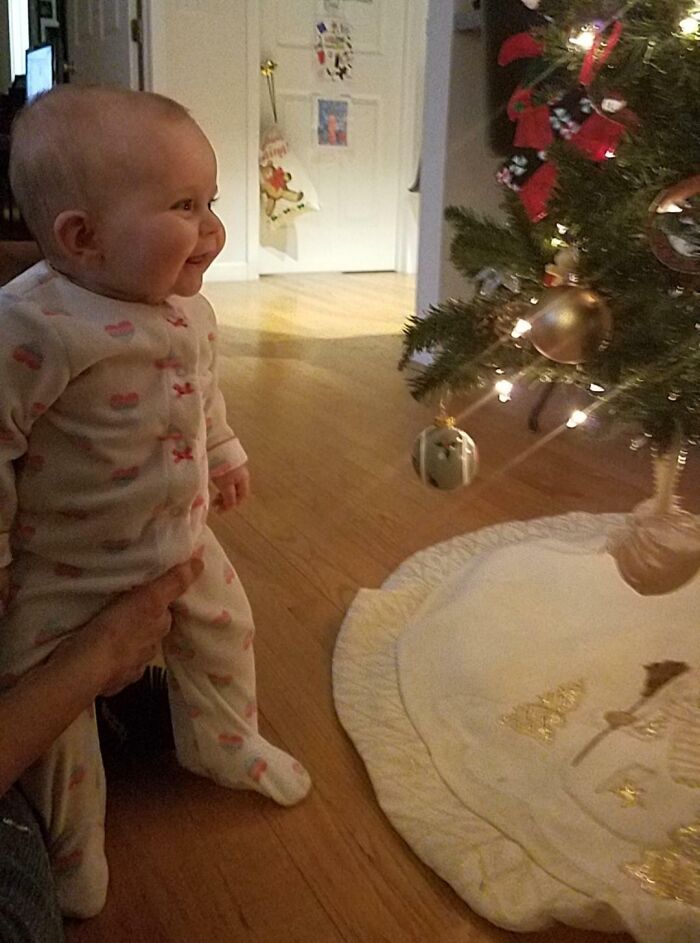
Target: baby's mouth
198, 259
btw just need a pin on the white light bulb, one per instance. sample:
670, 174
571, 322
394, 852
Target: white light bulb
504, 388
596, 388
689, 25
609, 153
558, 243
577, 418
521, 327
585, 38
562, 229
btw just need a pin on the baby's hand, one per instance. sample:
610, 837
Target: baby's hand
233, 487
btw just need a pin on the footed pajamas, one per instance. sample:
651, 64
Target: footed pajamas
111, 426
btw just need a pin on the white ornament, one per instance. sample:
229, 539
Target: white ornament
444, 456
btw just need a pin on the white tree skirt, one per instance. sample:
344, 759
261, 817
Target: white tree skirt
471, 681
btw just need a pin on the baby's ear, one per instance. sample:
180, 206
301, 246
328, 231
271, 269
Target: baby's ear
76, 238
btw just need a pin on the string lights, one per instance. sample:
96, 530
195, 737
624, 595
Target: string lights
521, 328
504, 388
577, 418
585, 39
690, 25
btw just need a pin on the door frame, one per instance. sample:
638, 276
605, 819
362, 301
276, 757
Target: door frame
412, 108
252, 122
150, 12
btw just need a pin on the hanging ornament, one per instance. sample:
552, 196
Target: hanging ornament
570, 325
444, 456
519, 46
658, 550
533, 127
674, 227
573, 117
533, 178
563, 270
613, 103
490, 279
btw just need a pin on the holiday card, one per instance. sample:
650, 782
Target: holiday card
332, 116
333, 48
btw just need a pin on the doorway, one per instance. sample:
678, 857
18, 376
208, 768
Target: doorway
366, 218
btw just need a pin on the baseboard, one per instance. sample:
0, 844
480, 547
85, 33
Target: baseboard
231, 272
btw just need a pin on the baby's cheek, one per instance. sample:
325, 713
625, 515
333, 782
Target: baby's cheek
220, 236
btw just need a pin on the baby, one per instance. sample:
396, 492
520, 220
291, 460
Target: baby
111, 428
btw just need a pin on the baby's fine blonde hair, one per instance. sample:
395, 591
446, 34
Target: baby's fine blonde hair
68, 144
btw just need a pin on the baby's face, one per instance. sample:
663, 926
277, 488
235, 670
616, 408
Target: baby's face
157, 232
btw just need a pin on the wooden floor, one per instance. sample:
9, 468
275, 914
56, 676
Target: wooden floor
309, 373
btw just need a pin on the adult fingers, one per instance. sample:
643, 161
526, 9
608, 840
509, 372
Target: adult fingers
174, 583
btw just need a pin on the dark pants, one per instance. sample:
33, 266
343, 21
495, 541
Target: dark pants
28, 907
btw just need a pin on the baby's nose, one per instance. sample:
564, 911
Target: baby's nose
210, 223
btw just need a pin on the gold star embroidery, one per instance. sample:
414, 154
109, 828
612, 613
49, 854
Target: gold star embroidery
629, 794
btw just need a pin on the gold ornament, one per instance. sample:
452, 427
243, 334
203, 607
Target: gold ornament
444, 456
674, 227
570, 325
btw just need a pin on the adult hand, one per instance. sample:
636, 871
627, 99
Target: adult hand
124, 636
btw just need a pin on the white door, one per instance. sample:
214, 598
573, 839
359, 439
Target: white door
362, 188
100, 45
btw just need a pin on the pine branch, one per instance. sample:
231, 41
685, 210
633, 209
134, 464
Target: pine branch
479, 242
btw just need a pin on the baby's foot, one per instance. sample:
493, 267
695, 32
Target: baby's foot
249, 762
270, 771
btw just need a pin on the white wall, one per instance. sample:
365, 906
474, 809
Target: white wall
458, 165
199, 57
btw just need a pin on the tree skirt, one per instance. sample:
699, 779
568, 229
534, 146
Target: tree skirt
494, 687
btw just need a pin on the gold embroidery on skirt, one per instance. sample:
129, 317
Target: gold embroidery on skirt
541, 718
672, 873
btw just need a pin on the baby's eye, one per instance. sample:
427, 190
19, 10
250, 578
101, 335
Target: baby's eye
186, 205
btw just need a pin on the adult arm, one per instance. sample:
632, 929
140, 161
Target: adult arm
108, 653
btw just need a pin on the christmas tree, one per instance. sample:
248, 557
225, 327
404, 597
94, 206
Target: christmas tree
593, 278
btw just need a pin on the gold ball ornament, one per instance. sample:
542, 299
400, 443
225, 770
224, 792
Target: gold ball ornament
570, 324
674, 228
445, 457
